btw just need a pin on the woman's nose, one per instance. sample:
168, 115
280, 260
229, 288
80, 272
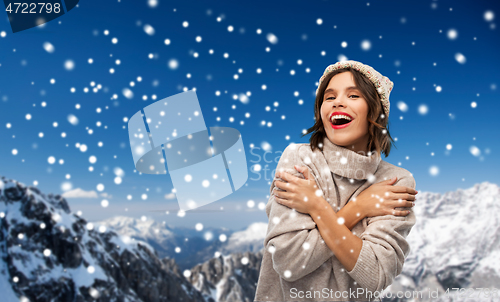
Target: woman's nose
339, 101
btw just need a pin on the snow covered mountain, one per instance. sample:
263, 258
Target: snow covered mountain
455, 243
250, 239
228, 278
225, 271
187, 246
47, 253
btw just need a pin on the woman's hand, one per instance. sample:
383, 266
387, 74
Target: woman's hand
299, 194
382, 198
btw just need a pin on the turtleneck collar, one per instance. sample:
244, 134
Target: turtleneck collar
347, 163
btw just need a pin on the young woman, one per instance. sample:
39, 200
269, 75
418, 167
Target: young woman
338, 214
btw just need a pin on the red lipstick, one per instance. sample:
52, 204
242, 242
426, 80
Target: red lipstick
340, 126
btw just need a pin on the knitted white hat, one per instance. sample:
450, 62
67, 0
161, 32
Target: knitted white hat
382, 84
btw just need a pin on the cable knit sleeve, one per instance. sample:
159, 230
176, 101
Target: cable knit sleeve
292, 238
384, 247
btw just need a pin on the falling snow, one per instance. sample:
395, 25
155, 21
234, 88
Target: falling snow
258, 97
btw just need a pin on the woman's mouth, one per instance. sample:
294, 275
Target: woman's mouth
340, 123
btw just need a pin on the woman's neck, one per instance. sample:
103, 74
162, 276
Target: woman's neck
349, 163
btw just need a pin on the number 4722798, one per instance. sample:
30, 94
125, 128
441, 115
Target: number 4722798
31, 8
477, 292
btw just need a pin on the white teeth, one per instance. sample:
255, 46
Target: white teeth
339, 117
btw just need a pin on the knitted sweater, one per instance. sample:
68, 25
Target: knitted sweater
315, 274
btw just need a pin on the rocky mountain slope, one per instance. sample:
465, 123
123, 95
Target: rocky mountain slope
455, 244
48, 253
188, 247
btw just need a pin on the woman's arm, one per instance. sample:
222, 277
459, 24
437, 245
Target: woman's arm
301, 195
292, 238
375, 259
351, 214
368, 203
345, 245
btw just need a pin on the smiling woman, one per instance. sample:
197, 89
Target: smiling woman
338, 214
353, 120
350, 89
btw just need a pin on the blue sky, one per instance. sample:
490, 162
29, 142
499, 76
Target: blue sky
441, 56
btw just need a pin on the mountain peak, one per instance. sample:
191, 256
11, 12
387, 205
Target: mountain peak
48, 253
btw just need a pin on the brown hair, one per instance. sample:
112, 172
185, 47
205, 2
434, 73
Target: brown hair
378, 121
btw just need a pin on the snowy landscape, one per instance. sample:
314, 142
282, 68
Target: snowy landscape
49, 253
78, 220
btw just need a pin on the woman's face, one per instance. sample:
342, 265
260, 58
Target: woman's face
342, 97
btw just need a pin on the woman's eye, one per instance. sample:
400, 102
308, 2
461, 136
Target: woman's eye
349, 96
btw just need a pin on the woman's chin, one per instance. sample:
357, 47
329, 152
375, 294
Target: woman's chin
340, 139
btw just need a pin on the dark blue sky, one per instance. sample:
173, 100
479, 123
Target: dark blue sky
447, 137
